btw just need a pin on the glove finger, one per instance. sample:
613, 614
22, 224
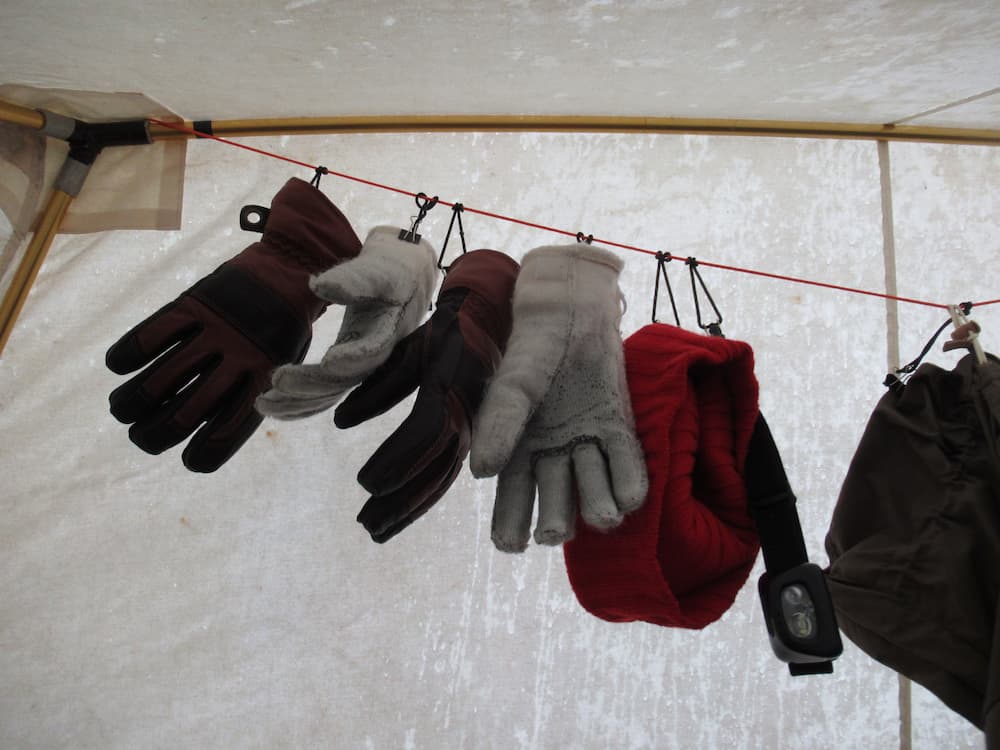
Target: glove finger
279, 405
628, 472
556, 511
533, 356
158, 430
295, 382
224, 433
365, 341
385, 516
597, 503
414, 444
183, 413
150, 338
146, 392
512, 509
387, 385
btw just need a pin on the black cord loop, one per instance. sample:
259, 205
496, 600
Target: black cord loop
661, 271
714, 328
897, 379
456, 213
320, 171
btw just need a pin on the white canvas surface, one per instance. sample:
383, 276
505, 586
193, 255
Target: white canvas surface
147, 607
815, 60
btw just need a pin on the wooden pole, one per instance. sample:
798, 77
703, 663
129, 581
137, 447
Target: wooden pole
45, 231
584, 124
15, 113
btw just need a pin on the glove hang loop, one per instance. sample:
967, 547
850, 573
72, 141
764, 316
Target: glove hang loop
661, 271
456, 213
713, 328
426, 205
320, 171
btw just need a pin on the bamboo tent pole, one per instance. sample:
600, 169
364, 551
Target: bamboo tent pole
15, 113
12, 112
45, 231
581, 124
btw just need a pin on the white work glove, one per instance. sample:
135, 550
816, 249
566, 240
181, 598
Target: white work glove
387, 289
558, 408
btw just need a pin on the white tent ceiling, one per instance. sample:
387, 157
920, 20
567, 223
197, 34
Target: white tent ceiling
818, 60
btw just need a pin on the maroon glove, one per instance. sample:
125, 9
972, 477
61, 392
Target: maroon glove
221, 338
450, 358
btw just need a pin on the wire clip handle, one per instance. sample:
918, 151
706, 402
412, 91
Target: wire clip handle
425, 204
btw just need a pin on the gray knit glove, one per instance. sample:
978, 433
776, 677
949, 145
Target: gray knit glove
387, 290
558, 408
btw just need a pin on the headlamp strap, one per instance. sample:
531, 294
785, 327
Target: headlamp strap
798, 609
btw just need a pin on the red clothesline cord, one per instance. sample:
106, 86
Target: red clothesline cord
533, 225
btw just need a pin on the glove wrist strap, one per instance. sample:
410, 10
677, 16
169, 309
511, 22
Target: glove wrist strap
266, 322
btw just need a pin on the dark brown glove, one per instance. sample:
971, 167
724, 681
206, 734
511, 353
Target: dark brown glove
216, 344
450, 358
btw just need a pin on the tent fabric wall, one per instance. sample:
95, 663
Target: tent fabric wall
855, 61
145, 606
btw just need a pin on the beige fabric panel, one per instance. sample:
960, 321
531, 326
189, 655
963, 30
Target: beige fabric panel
127, 188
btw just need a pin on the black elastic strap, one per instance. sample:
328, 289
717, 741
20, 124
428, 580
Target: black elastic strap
772, 503
257, 311
772, 506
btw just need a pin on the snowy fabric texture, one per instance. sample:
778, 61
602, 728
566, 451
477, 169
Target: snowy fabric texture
145, 606
558, 408
386, 291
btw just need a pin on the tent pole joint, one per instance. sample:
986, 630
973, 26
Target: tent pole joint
88, 139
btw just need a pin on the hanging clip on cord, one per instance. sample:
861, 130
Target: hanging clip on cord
966, 331
456, 213
714, 328
425, 204
588, 238
661, 271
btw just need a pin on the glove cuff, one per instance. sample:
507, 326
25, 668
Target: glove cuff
305, 227
490, 275
576, 251
384, 240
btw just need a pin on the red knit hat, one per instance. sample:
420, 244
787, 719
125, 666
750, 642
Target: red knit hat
682, 557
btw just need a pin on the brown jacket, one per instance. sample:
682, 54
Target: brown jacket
914, 543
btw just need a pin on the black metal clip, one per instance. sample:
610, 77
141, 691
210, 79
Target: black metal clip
254, 218
714, 328
427, 204
661, 271
456, 213
588, 238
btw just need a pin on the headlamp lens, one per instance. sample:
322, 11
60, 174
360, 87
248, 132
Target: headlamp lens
798, 611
